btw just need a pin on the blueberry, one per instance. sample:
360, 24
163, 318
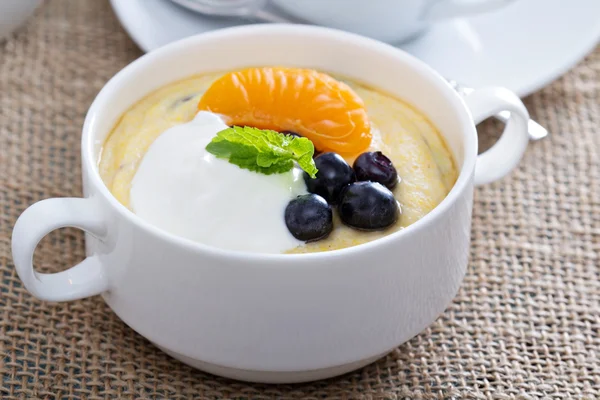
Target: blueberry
368, 206
334, 173
374, 166
309, 217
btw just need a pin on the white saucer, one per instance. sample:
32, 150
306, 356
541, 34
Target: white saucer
522, 47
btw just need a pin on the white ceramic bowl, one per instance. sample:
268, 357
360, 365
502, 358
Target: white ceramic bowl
387, 20
274, 318
13, 13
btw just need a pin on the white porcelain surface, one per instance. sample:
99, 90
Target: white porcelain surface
13, 13
274, 312
387, 20
273, 376
522, 47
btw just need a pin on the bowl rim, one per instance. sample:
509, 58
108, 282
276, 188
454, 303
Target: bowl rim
470, 144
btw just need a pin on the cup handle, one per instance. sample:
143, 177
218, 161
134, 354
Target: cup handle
455, 8
505, 155
85, 279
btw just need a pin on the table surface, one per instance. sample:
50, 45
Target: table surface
525, 324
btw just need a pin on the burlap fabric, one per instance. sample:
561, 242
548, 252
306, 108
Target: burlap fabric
525, 324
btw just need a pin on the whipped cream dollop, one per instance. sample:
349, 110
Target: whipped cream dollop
183, 189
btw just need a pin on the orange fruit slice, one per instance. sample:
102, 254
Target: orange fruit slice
304, 101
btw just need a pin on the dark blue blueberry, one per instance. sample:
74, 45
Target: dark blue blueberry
334, 173
374, 166
309, 217
368, 206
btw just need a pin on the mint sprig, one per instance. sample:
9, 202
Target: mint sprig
262, 150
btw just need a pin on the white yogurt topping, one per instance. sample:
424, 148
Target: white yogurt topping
183, 189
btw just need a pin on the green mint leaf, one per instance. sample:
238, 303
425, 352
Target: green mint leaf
264, 151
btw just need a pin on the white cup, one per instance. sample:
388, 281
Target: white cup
387, 20
13, 13
274, 317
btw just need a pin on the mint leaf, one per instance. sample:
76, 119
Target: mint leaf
264, 151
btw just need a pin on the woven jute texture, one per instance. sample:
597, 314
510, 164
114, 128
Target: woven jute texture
525, 324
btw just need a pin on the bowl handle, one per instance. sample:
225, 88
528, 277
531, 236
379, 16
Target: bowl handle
82, 280
505, 155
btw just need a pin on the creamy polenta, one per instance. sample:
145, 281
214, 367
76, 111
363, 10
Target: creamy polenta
424, 163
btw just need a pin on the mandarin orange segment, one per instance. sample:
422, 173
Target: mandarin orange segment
305, 101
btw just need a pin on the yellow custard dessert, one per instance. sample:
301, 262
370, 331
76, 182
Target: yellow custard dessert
423, 162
